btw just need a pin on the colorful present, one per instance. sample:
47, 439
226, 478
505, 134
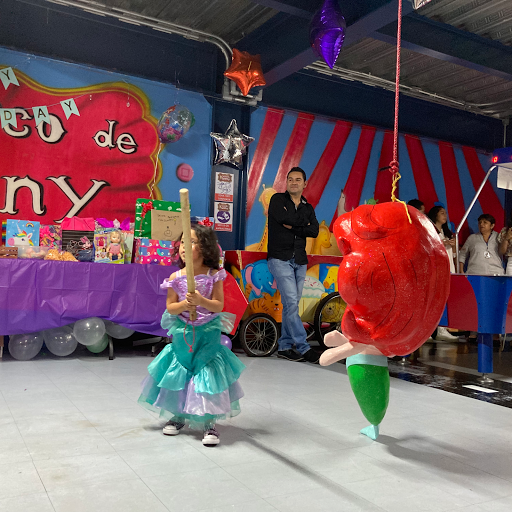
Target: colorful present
50, 236
21, 232
144, 223
161, 252
104, 251
78, 237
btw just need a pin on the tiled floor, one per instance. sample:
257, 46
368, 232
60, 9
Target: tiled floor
73, 439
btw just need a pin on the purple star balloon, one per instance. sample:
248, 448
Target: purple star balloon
327, 31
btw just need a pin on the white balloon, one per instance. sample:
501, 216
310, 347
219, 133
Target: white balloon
89, 331
117, 331
25, 346
60, 341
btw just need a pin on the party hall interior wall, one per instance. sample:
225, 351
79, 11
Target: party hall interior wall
99, 162
342, 161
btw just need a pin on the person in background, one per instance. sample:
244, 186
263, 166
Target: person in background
290, 220
439, 218
505, 245
417, 204
484, 257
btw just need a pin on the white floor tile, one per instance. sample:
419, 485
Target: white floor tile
197, 490
125, 496
82, 470
19, 478
176, 457
66, 444
277, 477
27, 503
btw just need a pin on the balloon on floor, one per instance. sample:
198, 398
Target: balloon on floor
117, 331
60, 341
89, 330
395, 279
24, 347
226, 341
100, 346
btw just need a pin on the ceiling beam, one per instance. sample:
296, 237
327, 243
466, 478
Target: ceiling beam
442, 56
364, 27
282, 7
451, 44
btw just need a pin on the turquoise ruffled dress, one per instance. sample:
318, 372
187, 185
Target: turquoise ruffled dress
194, 380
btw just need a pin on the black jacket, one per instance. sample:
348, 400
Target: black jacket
284, 243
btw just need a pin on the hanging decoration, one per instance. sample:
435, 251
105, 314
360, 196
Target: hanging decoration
327, 31
8, 77
245, 71
394, 300
231, 146
174, 123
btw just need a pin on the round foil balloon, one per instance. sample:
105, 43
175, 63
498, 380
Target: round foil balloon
117, 331
89, 331
174, 123
60, 341
24, 347
100, 346
226, 341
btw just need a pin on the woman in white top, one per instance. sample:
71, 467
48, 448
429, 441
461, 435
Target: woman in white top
484, 257
439, 218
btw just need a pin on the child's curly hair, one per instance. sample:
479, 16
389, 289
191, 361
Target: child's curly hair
208, 244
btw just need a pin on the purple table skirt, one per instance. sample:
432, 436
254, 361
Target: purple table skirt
36, 295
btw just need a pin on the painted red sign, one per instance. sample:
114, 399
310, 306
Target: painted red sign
93, 165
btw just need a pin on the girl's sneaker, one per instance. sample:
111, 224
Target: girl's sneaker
172, 428
211, 437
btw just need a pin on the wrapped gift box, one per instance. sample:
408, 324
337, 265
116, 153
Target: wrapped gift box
159, 252
144, 222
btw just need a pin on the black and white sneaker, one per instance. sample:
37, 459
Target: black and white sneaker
172, 428
211, 437
289, 354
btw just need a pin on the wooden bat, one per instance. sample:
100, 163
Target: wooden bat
189, 267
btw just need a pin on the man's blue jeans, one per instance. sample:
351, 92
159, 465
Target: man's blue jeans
290, 280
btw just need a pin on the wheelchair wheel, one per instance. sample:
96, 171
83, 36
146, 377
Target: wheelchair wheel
258, 335
328, 315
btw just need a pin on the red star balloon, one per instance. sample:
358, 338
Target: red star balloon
245, 71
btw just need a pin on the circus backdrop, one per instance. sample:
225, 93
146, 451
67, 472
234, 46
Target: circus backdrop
96, 161
342, 161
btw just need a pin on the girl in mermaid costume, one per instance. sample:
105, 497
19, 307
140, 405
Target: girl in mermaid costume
194, 380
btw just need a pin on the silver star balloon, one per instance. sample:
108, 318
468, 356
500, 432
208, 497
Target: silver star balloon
231, 146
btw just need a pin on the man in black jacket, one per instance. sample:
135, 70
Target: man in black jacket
290, 220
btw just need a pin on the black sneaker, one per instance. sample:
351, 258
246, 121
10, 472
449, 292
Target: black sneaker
311, 356
289, 354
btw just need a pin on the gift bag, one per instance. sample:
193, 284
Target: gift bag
21, 232
78, 237
143, 215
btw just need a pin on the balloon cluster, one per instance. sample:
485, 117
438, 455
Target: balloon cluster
62, 341
174, 123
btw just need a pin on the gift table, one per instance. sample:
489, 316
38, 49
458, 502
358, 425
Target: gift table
36, 295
